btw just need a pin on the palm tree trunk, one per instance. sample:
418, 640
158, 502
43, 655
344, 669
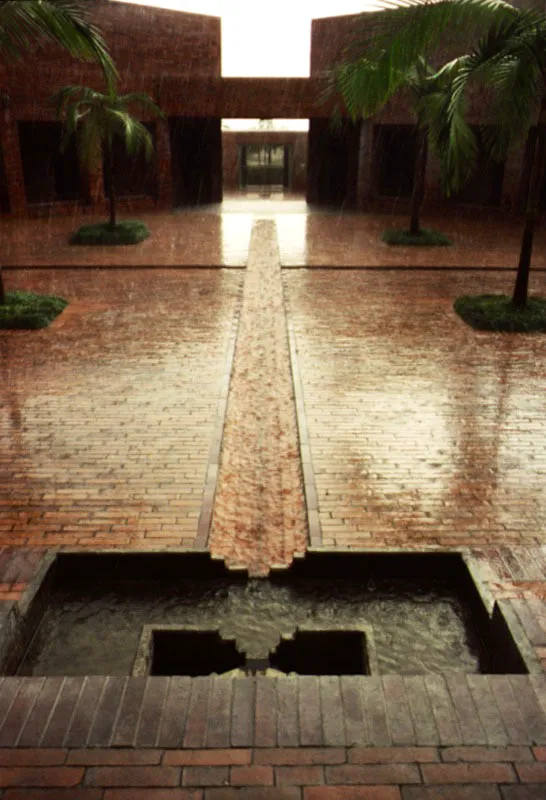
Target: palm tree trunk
418, 192
521, 288
525, 178
111, 191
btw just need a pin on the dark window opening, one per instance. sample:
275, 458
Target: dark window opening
4, 191
196, 158
193, 653
323, 653
50, 173
133, 175
395, 151
333, 163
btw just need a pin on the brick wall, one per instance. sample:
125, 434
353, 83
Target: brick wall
329, 38
266, 98
165, 41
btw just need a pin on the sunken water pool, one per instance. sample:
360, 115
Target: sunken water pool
330, 614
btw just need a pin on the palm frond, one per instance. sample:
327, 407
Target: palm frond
132, 132
99, 118
363, 87
516, 88
443, 112
508, 62
63, 22
405, 30
383, 57
140, 99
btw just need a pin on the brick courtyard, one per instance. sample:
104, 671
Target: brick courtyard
398, 426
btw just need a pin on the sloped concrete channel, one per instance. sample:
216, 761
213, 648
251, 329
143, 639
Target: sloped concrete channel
259, 518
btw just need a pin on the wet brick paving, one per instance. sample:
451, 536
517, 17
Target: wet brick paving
182, 238
421, 433
353, 240
107, 416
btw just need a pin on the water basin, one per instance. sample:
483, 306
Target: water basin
329, 614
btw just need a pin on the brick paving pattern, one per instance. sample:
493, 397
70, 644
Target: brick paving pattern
259, 513
48, 738
182, 238
353, 240
423, 433
107, 417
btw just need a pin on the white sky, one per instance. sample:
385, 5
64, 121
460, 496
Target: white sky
265, 39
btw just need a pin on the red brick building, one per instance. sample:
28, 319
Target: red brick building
176, 58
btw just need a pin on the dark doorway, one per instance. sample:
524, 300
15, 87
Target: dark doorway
265, 165
50, 174
394, 153
133, 175
196, 154
4, 191
333, 163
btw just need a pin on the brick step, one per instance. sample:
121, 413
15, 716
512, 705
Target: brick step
304, 711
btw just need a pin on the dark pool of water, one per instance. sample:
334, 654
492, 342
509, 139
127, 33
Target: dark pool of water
95, 629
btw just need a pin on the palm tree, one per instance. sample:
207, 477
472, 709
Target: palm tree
62, 22
99, 118
361, 83
509, 54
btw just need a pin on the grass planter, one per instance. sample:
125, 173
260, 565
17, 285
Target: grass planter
126, 232
494, 312
28, 311
424, 238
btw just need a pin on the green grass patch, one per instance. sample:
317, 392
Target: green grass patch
28, 311
424, 238
494, 312
126, 232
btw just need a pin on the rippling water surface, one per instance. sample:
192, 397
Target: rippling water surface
96, 630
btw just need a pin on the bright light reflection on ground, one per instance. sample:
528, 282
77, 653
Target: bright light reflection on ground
235, 237
292, 232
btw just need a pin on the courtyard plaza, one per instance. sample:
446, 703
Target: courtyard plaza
258, 380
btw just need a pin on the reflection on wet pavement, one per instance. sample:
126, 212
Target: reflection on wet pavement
181, 238
353, 240
423, 432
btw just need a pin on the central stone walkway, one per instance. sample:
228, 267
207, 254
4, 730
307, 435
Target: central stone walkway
259, 515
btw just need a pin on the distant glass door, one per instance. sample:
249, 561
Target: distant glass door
265, 165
